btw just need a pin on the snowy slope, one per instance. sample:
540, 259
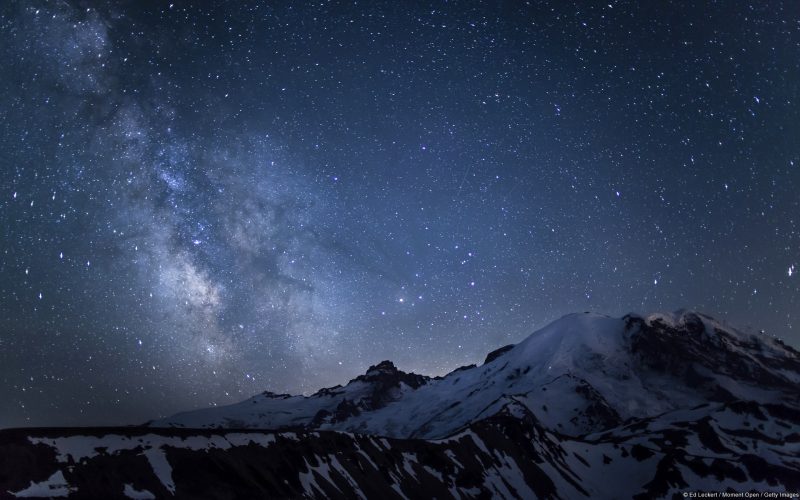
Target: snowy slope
582, 373
382, 384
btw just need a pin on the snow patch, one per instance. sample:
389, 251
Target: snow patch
132, 492
161, 468
54, 486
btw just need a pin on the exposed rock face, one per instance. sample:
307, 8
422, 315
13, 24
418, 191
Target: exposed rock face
713, 358
385, 380
497, 353
589, 407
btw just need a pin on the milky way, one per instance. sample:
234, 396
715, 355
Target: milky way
204, 200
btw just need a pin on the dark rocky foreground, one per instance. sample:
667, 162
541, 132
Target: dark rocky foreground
508, 455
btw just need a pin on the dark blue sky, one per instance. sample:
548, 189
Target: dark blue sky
201, 201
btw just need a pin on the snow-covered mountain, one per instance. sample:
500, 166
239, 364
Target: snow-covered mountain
588, 407
583, 373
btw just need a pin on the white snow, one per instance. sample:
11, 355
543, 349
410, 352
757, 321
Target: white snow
512, 474
338, 467
161, 468
54, 486
408, 460
132, 492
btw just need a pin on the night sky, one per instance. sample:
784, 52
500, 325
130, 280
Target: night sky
201, 201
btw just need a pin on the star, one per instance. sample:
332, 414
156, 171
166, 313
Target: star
294, 196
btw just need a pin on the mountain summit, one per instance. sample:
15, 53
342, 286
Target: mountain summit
587, 407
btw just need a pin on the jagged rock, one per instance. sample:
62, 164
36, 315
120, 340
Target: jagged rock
497, 353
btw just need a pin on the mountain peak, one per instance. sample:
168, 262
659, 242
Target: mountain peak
385, 374
384, 366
